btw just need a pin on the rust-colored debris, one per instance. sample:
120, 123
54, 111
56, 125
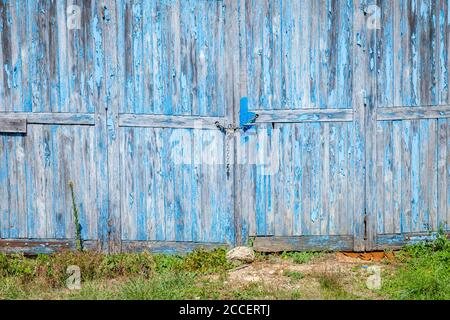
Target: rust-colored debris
369, 256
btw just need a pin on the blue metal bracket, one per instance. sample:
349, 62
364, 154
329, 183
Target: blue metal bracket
246, 118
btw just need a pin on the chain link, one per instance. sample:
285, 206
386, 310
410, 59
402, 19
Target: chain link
230, 130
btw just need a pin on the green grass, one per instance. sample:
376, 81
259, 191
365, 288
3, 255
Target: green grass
420, 271
332, 286
301, 257
293, 275
423, 272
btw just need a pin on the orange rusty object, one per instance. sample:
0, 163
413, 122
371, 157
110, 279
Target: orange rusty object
370, 256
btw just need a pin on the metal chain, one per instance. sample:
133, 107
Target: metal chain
230, 130
225, 129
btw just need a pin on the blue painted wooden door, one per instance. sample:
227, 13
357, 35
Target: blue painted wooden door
296, 172
176, 183
304, 124
52, 76
409, 173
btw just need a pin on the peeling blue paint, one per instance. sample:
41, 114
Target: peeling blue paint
174, 60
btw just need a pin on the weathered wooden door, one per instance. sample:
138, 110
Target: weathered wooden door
409, 168
297, 184
51, 84
300, 124
174, 165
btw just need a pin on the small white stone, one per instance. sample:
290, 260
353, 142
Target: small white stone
242, 254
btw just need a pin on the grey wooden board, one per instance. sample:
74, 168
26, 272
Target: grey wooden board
13, 125
302, 243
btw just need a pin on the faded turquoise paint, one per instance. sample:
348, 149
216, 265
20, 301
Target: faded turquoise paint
312, 70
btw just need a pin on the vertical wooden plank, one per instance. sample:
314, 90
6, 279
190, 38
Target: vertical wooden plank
54, 190
448, 174
2, 44
39, 218
53, 61
17, 46
306, 183
316, 179
344, 23
424, 172
148, 17
287, 148
442, 182
332, 219
101, 142
62, 183
4, 195
364, 122
432, 163
232, 98
21, 192
137, 53
388, 70
387, 185
12, 184
412, 17
169, 183
62, 53
6, 71
112, 29
415, 176
350, 188
315, 13
297, 159
341, 179
92, 189
432, 169
127, 176
406, 177
269, 179
48, 156
70, 165
140, 170
443, 44
326, 192
276, 93
3, 184
397, 180
380, 172
30, 172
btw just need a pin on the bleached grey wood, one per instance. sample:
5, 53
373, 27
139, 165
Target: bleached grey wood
305, 115
13, 125
51, 118
413, 113
162, 121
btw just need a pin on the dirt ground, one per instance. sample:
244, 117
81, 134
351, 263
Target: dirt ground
342, 275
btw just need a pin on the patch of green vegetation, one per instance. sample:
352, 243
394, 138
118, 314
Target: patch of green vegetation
76, 219
10, 289
294, 275
332, 287
169, 286
259, 291
423, 272
301, 257
52, 269
206, 262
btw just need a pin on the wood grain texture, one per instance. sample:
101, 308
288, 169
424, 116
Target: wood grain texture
350, 146
314, 243
13, 125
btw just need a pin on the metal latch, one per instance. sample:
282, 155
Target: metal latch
231, 129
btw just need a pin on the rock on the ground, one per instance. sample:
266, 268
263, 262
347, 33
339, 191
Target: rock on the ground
241, 254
